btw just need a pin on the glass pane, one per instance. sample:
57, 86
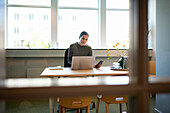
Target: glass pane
117, 4
78, 3
29, 27
117, 29
73, 22
30, 2
159, 25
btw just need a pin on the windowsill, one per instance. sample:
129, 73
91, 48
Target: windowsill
56, 52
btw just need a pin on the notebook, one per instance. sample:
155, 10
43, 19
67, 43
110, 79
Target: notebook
82, 62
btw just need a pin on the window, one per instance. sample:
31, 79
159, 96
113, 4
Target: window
30, 2
117, 22
32, 31
106, 21
46, 17
16, 16
73, 22
31, 17
16, 30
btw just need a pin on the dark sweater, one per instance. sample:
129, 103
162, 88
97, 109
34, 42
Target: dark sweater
78, 50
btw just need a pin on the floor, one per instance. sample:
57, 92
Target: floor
41, 106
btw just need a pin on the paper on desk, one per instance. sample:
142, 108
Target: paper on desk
56, 68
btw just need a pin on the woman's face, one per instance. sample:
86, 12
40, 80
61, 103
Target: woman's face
83, 39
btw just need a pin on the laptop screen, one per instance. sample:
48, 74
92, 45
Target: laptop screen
82, 62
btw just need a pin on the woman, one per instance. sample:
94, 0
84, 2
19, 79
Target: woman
80, 48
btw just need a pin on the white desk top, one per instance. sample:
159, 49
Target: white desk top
67, 72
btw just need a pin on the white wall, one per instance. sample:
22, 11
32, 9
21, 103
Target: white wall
163, 50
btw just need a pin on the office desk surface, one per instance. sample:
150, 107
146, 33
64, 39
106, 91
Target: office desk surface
67, 72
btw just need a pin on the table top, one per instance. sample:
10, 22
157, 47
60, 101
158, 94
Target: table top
67, 72
23, 88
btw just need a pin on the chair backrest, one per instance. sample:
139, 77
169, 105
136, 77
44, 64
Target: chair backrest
75, 102
66, 64
152, 67
114, 99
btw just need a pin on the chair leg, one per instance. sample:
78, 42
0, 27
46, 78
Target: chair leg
120, 108
63, 110
60, 109
88, 109
127, 107
81, 110
97, 108
77, 111
107, 108
93, 104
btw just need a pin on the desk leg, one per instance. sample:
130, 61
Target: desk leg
51, 104
2, 106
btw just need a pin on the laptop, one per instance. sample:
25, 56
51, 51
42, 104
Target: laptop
82, 62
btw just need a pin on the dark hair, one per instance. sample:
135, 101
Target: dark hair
84, 33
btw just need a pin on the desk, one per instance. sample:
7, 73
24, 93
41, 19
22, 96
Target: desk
67, 72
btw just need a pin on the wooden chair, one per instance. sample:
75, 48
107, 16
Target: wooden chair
66, 64
152, 68
74, 103
112, 100
152, 71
